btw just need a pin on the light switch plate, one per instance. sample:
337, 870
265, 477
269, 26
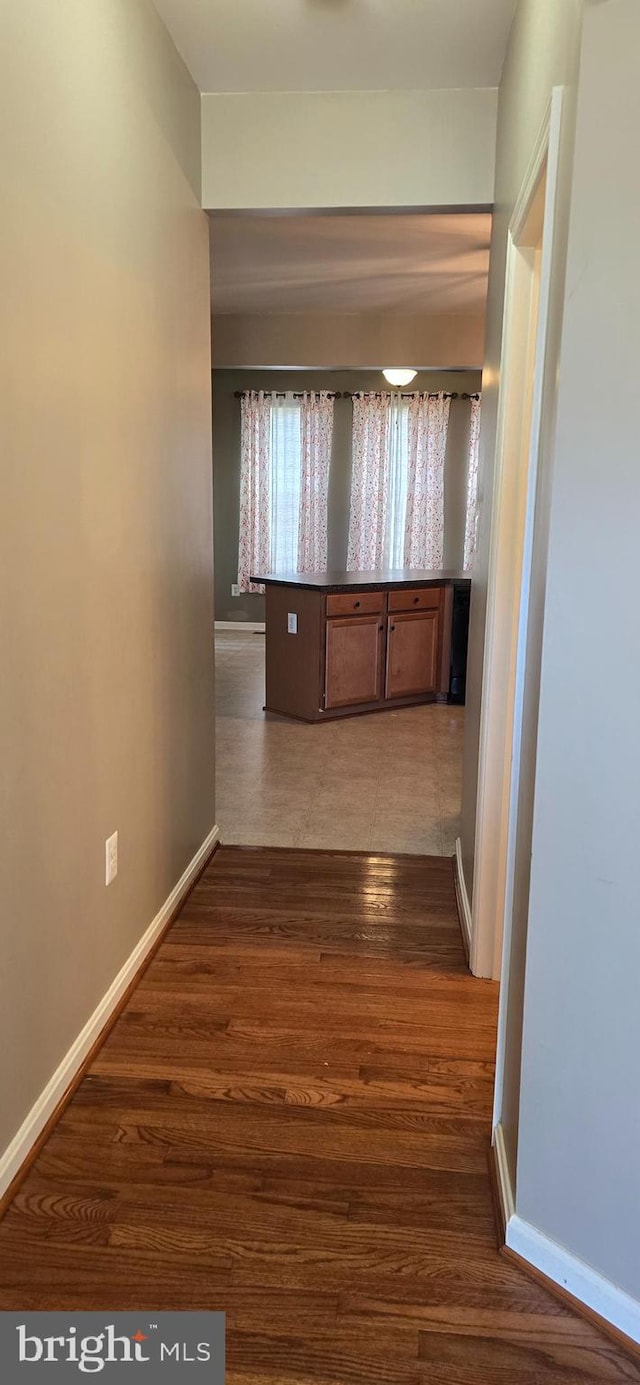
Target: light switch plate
292, 623
111, 858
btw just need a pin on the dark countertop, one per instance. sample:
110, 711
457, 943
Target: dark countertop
363, 581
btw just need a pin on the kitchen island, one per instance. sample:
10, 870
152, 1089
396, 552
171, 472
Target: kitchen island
338, 643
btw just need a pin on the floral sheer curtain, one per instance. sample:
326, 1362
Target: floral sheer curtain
472, 486
316, 436
254, 549
285, 455
424, 522
397, 487
370, 468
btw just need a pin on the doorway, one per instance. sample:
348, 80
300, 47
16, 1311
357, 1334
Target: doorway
383, 781
515, 612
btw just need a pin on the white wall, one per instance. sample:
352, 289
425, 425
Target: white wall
106, 611
579, 1146
348, 149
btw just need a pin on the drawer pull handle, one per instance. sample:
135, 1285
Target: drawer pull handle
416, 600
393, 627
356, 604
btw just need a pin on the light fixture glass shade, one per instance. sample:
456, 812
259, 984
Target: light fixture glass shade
400, 377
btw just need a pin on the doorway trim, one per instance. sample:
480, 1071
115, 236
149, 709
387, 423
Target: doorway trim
524, 356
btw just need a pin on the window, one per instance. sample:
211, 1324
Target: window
285, 466
398, 482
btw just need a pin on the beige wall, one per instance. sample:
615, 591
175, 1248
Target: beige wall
578, 1165
348, 148
348, 342
106, 593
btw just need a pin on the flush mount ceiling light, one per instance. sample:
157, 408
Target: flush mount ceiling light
400, 377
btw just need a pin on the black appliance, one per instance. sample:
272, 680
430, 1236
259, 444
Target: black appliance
459, 643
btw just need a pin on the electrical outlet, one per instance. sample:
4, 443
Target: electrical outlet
235, 590
292, 623
111, 858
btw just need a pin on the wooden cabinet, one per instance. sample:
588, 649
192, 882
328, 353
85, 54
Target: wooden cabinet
353, 662
332, 651
412, 653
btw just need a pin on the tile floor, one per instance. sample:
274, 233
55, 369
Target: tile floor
390, 781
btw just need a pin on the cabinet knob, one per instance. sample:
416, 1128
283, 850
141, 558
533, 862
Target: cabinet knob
393, 627
416, 600
356, 604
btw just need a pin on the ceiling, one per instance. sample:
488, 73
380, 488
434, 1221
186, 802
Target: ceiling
340, 45
350, 264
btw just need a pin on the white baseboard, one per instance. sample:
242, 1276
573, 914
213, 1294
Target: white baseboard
464, 898
250, 627
557, 1263
505, 1186
18, 1151
575, 1277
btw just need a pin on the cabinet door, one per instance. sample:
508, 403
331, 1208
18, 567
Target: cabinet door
353, 660
412, 653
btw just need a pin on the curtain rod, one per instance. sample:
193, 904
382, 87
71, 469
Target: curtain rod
349, 394
282, 394
417, 394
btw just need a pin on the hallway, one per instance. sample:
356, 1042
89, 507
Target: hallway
290, 1121
389, 781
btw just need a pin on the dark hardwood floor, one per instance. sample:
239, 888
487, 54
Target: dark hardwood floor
290, 1121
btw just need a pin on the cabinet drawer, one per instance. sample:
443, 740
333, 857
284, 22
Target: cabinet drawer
354, 603
415, 599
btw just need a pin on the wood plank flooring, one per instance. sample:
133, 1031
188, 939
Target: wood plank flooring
290, 1121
